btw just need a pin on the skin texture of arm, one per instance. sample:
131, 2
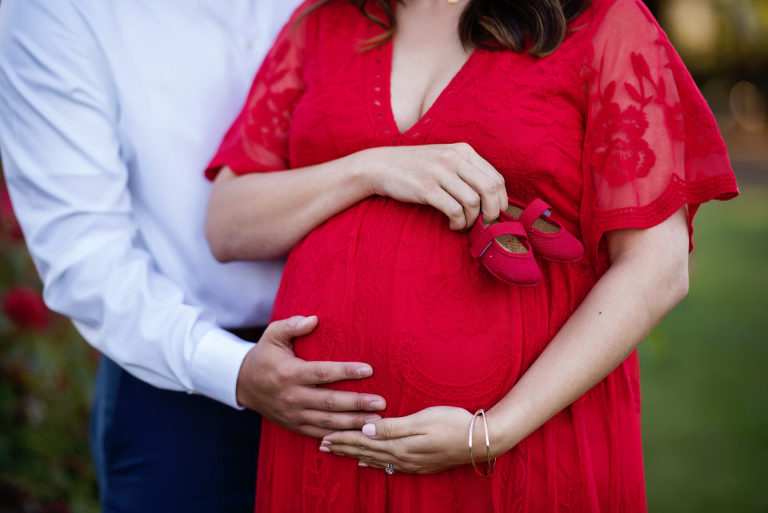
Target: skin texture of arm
263, 215
647, 278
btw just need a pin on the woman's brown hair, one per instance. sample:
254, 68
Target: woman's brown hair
536, 26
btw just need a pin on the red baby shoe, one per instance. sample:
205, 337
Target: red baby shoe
548, 238
503, 249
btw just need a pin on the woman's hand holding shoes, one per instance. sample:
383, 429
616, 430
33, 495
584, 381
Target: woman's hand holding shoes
452, 178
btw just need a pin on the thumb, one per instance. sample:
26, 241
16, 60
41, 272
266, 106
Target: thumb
391, 428
285, 330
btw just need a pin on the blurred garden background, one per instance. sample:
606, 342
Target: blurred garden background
705, 381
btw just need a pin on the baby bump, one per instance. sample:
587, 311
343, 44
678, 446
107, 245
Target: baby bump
407, 298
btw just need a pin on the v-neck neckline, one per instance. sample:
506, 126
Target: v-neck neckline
388, 48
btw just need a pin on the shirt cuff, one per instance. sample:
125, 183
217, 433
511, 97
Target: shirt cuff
216, 365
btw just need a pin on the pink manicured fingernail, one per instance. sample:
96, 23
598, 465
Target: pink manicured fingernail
369, 430
361, 464
372, 418
324, 449
326, 442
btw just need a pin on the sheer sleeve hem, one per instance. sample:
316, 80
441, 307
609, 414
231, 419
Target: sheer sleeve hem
677, 194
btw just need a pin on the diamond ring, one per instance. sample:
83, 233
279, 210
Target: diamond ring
389, 469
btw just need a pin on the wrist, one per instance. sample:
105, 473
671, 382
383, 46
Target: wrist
363, 170
481, 456
505, 429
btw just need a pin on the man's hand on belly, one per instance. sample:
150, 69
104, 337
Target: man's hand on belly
283, 388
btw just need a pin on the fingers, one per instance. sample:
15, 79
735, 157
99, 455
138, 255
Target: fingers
489, 185
331, 422
319, 412
376, 464
368, 457
487, 181
379, 433
375, 453
474, 184
392, 428
284, 331
447, 204
354, 443
332, 410
334, 400
465, 195
321, 373
321, 422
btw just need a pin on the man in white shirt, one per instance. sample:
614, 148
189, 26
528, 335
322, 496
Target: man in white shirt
109, 112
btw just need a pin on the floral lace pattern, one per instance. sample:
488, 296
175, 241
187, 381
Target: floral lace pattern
621, 153
609, 129
652, 144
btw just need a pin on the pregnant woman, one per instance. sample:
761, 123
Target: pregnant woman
375, 134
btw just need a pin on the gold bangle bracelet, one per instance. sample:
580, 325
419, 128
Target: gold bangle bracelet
489, 465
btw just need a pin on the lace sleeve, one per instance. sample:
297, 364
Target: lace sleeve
258, 140
651, 142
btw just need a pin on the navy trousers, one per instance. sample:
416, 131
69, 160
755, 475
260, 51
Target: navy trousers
162, 451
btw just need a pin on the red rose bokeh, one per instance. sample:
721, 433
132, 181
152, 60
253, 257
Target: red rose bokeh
25, 307
8, 223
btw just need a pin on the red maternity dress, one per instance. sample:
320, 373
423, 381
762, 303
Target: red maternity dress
609, 129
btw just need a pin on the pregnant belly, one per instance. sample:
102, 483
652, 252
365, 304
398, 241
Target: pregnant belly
393, 287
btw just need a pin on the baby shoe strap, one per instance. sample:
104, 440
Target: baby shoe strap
533, 211
481, 237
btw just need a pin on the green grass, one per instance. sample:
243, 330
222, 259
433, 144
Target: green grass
705, 375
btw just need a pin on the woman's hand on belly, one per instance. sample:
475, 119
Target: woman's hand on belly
426, 442
452, 178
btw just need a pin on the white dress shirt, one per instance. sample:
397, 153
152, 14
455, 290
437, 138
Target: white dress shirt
109, 113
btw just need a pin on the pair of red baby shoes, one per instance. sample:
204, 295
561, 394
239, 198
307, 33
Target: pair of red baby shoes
507, 247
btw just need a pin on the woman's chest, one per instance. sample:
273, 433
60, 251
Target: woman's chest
524, 115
